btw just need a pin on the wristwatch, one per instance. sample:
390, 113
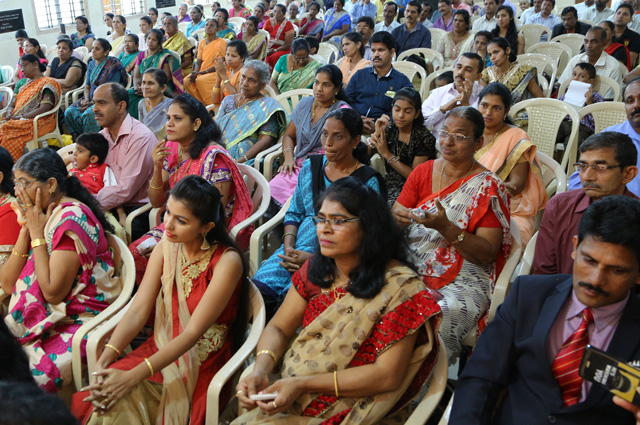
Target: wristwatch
224, 83
460, 237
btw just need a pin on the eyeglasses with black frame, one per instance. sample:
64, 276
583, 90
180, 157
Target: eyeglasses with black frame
598, 167
334, 223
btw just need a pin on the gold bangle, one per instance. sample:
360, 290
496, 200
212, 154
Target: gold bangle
113, 348
289, 234
216, 89
270, 353
150, 367
152, 186
38, 242
335, 382
17, 254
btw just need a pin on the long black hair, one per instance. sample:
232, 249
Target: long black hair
86, 22
204, 201
383, 241
43, 164
512, 31
39, 51
335, 75
6, 168
412, 96
207, 132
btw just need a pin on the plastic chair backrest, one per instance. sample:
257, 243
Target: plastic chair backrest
561, 53
6, 94
410, 69
182, 26
552, 172
430, 55
603, 85
266, 34
436, 35
533, 33
66, 152
290, 99
430, 82
542, 63
573, 41
329, 52
526, 264
8, 73
260, 192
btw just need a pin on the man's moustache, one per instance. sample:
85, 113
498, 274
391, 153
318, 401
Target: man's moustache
593, 288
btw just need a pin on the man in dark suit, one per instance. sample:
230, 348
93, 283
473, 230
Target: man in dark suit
521, 348
570, 23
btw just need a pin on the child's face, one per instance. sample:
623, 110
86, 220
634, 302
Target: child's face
441, 82
82, 157
581, 75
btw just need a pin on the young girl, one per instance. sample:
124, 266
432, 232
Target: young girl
403, 144
195, 281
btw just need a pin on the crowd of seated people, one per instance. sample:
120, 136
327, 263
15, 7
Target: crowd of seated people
401, 217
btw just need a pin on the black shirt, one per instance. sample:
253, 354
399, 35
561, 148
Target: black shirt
629, 38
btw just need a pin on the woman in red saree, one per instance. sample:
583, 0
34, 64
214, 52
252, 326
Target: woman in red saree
368, 341
38, 95
281, 34
457, 214
193, 147
196, 283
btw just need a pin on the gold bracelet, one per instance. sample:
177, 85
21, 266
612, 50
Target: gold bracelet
269, 352
17, 254
150, 367
216, 89
289, 234
113, 348
151, 185
335, 382
38, 242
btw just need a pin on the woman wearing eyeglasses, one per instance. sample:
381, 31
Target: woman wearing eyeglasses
509, 152
368, 322
295, 70
457, 218
344, 155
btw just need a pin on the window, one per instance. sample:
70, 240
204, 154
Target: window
52, 13
124, 7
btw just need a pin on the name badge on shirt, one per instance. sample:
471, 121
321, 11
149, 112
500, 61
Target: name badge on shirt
390, 94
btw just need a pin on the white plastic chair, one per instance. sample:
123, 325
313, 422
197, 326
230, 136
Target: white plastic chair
552, 172
545, 116
533, 34
51, 53
263, 162
66, 152
237, 22
55, 134
8, 71
192, 41
182, 27
437, 387
127, 273
266, 34
601, 84
257, 315
560, 52
573, 41
258, 249
527, 259
436, 35
410, 69
175, 55
542, 63
430, 56
200, 34
329, 52
260, 193
129, 81
429, 83
290, 99
268, 91
82, 51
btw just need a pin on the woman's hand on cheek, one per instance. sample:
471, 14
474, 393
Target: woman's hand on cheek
36, 218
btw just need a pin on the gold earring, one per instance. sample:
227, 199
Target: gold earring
205, 243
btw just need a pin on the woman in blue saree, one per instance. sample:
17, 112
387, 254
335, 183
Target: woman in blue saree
345, 155
250, 122
103, 69
337, 23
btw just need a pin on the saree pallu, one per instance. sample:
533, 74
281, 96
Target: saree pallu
157, 60
117, 45
80, 41
208, 52
501, 156
345, 64
10, 228
227, 33
314, 29
516, 79
301, 78
175, 395
336, 21
45, 330
465, 287
216, 166
128, 60
307, 143
242, 126
180, 44
14, 134
258, 41
349, 332
278, 34
156, 118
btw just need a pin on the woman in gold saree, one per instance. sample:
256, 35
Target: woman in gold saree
295, 70
256, 42
368, 341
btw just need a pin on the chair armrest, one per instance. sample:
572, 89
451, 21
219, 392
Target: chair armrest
135, 213
268, 162
258, 160
72, 95
260, 211
434, 393
503, 284
235, 362
255, 246
46, 114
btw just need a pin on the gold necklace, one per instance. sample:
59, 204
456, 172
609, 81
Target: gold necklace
473, 165
315, 106
334, 289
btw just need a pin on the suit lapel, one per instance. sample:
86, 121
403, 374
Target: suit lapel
548, 315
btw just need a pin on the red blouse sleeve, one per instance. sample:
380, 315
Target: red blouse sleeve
65, 244
489, 220
417, 186
301, 282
